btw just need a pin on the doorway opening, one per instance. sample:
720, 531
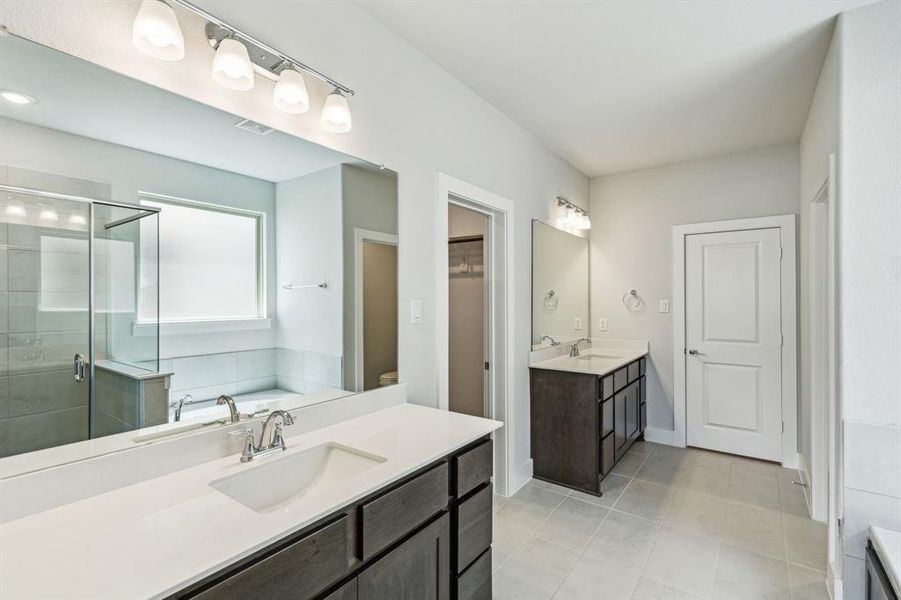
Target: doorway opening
482, 379
375, 309
469, 314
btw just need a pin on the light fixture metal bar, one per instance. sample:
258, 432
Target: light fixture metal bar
252, 40
566, 203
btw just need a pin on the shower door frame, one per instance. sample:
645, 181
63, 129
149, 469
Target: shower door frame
91, 324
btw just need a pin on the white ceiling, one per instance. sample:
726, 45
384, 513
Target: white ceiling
80, 97
616, 85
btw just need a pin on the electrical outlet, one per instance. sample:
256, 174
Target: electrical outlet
415, 311
663, 306
577, 323
602, 324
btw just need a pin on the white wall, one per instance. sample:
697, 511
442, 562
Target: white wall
129, 171
409, 114
632, 217
869, 277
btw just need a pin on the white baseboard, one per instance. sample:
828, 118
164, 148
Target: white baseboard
660, 436
521, 476
791, 461
834, 585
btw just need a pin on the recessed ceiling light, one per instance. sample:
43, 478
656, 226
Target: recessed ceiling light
17, 97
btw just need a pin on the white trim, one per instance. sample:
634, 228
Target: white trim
786, 226
521, 476
360, 236
659, 436
211, 326
448, 186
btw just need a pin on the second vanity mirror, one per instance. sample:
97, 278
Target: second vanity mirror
559, 286
158, 253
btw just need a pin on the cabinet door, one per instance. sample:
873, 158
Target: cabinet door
620, 435
417, 569
348, 591
633, 412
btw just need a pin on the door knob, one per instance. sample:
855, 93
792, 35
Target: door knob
694, 352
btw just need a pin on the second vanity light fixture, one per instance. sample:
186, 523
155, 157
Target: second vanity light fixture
574, 217
238, 58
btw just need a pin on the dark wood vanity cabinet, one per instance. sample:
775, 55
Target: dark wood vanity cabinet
427, 536
583, 424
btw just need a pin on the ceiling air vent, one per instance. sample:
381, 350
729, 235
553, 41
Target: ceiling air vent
253, 127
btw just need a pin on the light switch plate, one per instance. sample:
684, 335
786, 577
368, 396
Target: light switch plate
577, 323
663, 306
415, 311
602, 324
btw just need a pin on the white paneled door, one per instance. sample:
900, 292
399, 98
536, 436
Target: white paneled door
733, 341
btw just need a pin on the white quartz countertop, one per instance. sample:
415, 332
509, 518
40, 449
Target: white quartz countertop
155, 537
887, 544
592, 361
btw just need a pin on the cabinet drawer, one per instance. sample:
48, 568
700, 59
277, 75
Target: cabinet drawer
608, 454
390, 516
475, 583
301, 570
607, 387
632, 371
606, 417
473, 468
473, 527
642, 365
620, 378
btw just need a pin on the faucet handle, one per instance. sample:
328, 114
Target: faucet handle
287, 419
249, 449
237, 432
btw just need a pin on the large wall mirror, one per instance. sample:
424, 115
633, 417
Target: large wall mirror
559, 286
157, 253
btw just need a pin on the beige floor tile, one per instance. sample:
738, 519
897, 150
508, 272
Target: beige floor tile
757, 468
612, 487
754, 490
623, 539
674, 456
805, 541
648, 589
807, 584
507, 536
697, 513
755, 529
545, 485
705, 479
743, 575
629, 464
645, 499
598, 579
662, 471
643, 447
791, 499
533, 572
683, 561
572, 524
497, 502
708, 458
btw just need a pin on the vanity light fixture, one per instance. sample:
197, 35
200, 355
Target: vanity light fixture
238, 58
48, 214
15, 210
156, 32
290, 93
15, 97
574, 216
232, 68
336, 113
77, 220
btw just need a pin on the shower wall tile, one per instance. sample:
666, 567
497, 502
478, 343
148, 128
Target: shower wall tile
37, 352
156, 401
4, 312
107, 424
255, 364
324, 369
43, 430
4, 354
205, 370
291, 365
209, 392
23, 312
24, 271
118, 396
4, 397
45, 392
260, 384
4, 270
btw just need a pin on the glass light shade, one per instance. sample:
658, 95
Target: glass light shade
586, 222
231, 66
290, 94
156, 33
15, 210
336, 113
48, 214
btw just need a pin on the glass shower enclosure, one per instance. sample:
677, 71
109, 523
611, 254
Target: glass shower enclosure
75, 273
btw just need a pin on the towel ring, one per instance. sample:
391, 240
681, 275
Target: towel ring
632, 301
551, 300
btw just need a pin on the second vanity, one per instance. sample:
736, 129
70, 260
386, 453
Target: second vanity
586, 412
399, 506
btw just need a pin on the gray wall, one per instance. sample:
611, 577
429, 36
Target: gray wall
632, 216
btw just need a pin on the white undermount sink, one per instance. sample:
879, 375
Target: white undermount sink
277, 482
598, 357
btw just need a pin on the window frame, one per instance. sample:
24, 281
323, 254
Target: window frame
261, 258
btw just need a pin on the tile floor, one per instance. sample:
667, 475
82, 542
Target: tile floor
673, 524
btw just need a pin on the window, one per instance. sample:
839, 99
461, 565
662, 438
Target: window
210, 262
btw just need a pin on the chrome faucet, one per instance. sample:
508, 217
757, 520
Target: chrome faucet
554, 342
186, 399
232, 409
574, 350
271, 438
